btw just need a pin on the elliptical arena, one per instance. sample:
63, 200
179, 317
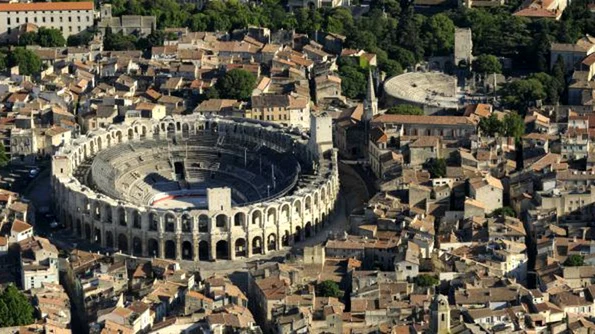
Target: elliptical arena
196, 188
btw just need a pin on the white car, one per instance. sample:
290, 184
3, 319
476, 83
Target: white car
33, 173
54, 224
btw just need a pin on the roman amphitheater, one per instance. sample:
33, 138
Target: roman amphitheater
196, 188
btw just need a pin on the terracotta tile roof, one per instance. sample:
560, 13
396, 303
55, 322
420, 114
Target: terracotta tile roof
422, 119
46, 6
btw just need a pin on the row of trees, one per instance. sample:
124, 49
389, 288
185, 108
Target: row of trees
46, 37
27, 61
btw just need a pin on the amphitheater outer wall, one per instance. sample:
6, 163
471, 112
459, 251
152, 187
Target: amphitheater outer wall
234, 232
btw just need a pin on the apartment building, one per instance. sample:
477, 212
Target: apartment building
69, 17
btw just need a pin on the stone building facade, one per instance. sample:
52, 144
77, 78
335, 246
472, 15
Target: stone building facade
220, 230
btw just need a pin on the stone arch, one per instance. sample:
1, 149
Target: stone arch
153, 248
203, 223
186, 223
257, 217
240, 247
222, 250
137, 246
96, 211
109, 239
97, 236
136, 219
170, 222
108, 139
121, 216
123, 242
308, 204
118, 137
285, 238
171, 130
143, 131
203, 250
239, 219
170, 249
297, 207
187, 253
99, 144
153, 221
285, 212
130, 134
87, 234
308, 229
272, 242
221, 221
272, 215
91, 147
257, 245
185, 130
297, 236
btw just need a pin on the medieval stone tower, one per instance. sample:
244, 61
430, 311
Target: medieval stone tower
440, 315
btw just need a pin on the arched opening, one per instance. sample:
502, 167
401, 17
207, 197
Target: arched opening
239, 219
256, 218
285, 212
130, 134
136, 220
78, 228
170, 222
308, 229
257, 245
137, 247
143, 132
187, 250
297, 237
108, 214
119, 137
153, 222
171, 130
109, 239
97, 236
153, 247
185, 130
203, 251
121, 216
97, 211
99, 144
92, 148
308, 204
285, 239
221, 221
240, 247
123, 243
186, 223
272, 242
203, 223
272, 216
170, 249
222, 249
87, 234
297, 208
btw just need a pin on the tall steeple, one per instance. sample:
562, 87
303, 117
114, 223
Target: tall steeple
439, 315
370, 102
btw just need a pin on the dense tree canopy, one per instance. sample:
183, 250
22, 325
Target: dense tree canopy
405, 109
511, 125
504, 211
437, 167
328, 288
27, 61
15, 309
3, 156
236, 84
487, 64
574, 260
425, 280
46, 37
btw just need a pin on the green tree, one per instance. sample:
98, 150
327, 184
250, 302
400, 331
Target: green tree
520, 94
82, 38
236, 84
391, 68
425, 280
487, 64
439, 35
28, 38
574, 260
27, 61
3, 157
405, 109
490, 126
513, 125
329, 288
353, 82
505, 211
50, 37
18, 310
437, 168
